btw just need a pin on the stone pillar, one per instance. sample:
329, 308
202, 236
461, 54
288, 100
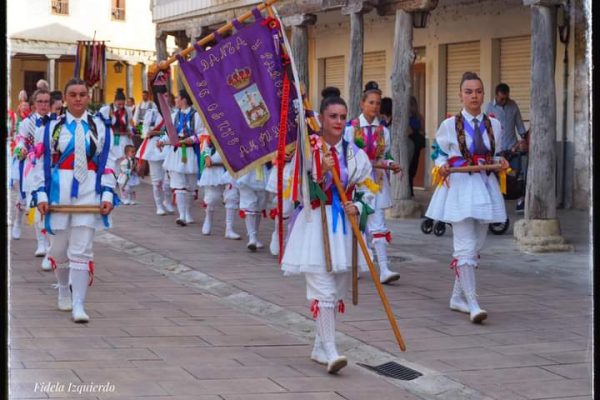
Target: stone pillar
181, 40
299, 43
404, 205
145, 76
51, 73
161, 46
582, 120
129, 82
540, 230
355, 9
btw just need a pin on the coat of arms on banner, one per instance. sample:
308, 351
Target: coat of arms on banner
249, 98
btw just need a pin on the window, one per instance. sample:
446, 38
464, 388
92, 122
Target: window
30, 80
60, 7
118, 10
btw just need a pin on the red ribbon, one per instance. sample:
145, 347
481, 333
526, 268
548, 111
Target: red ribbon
52, 263
341, 307
285, 103
314, 308
242, 214
143, 148
454, 266
387, 236
91, 269
273, 213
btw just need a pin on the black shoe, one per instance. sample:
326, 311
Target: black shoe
520, 209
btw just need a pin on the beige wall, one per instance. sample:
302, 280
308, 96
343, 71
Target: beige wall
17, 76
485, 21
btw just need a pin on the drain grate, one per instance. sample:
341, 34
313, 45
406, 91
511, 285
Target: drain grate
394, 370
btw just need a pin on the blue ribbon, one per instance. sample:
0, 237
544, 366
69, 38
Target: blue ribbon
437, 151
101, 164
337, 210
21, 167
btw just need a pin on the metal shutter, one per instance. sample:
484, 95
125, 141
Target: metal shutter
374, 69
334, 73
460, 58
515, 70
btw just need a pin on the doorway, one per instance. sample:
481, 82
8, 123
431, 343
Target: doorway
418, 90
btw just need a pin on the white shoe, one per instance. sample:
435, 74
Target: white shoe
336, 364
41, 250
46, 264
274, 245
169, 207
125, 202
133, 202
16, 231
65, 303
79, 314
388, 277
259, 245
207, 225
161, 211
251, 246
230, 234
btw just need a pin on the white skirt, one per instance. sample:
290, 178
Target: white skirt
213, 176
173, 161
468, 196
272, 181
304, 247
152, 153
118, 151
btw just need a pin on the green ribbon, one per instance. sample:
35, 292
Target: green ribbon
116, 140
366, 210
183, 153
316, 192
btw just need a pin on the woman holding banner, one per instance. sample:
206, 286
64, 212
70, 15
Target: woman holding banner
305, 249
468, 200
182, 161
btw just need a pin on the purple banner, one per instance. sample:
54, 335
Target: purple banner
237, 87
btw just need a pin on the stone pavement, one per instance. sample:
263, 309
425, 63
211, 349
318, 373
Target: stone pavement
178, 315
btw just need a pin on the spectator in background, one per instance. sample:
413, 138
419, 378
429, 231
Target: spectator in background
385, 112
417, 140
23, 109
140, 110
43, 85
56, 102
130, 105
506, 110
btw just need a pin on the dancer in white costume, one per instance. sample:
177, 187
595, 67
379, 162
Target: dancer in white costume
469, 201
253, 202
152, 131
304, 250
26, 153
368, 133
288, 204
181, 160
128, 177
75, 168
121, 122
218, 187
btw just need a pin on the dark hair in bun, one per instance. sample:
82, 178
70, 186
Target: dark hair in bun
371, 85
329, 101
330, 91
184, 95
120, 94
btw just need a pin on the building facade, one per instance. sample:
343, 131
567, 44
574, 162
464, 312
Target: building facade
489, 37
42, 40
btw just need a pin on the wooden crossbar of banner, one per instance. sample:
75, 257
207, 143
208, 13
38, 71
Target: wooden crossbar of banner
73, 209
476, 168
164, 64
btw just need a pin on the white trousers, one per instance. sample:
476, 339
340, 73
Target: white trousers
229, 194
181, 181
74, 245
468, 238
327, 287
252, 200
157, 172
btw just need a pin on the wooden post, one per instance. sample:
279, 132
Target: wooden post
404, 206
299, 43
540, 230
355, 64
129, 80
582, 120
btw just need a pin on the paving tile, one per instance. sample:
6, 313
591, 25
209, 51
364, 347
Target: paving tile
551, 389
572, 371
222, 386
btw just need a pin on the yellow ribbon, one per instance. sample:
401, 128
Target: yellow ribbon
436, 178
288, 190
373, 187
502, 176
31, 216
260, 173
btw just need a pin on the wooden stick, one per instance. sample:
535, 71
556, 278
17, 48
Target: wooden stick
363, 247
74, 209
354, 270
326, 243
386, 167
476, 168
164, 64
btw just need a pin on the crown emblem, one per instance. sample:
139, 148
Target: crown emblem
240, 78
